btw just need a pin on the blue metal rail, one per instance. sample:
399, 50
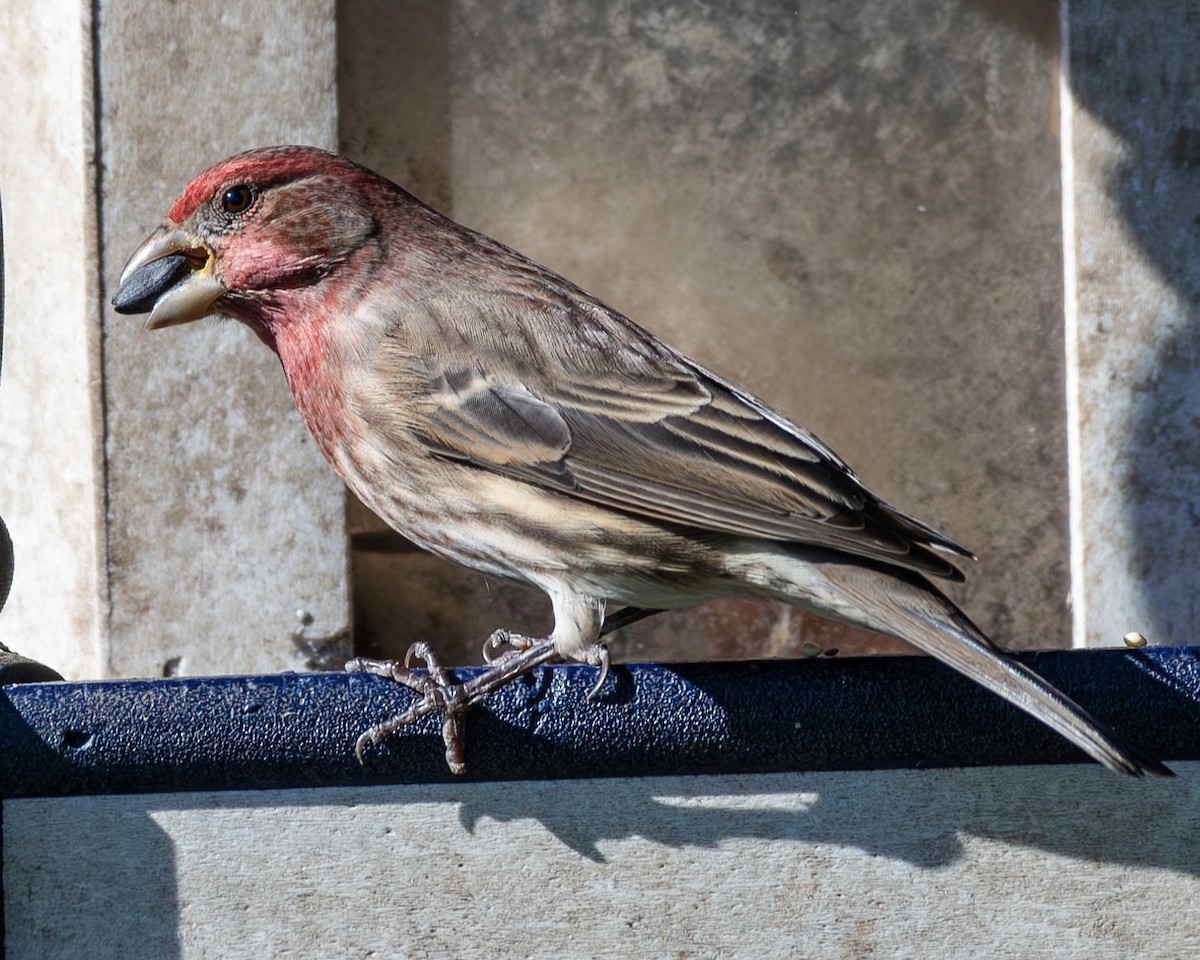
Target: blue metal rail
298, 730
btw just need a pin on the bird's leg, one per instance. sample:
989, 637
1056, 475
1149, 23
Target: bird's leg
439, 692
595, 656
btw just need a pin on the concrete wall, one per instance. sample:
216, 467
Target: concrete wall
1132, 152
905, 864
169, 513
51, 466
857, 212
224, 519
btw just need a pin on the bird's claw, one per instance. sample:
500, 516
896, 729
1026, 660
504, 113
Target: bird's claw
597, 656
439, 692
503, 640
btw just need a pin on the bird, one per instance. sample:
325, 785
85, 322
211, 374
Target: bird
498, 415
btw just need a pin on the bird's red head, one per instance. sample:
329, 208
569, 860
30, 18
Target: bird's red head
254, 237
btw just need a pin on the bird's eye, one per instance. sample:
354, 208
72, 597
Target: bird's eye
237, 199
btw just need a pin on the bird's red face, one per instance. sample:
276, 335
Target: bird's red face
250, 238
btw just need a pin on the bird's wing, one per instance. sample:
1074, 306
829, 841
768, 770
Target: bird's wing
637, 427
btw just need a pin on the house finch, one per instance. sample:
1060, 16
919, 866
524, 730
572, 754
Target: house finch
498, 415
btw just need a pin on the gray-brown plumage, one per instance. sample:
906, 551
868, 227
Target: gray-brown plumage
500, 416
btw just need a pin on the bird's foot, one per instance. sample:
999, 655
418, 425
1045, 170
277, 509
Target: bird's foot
440, 692
595, 656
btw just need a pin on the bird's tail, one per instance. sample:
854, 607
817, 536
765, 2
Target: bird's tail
908, 607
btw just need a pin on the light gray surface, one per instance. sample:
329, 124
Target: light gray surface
1068, 862
224, 519
852, 209
169, 511
1135, 160
51, 479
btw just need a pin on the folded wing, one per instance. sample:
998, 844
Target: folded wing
657, 436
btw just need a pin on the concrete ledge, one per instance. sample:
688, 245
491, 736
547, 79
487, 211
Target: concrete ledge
283, 731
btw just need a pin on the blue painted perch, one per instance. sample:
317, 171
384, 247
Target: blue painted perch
298, 730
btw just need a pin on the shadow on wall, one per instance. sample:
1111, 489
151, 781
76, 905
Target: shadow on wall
95, 877
1135, 68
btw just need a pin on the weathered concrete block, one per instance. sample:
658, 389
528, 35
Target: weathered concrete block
51, 473
1134, 153
855, 211
906, 864
224, 519
168, 510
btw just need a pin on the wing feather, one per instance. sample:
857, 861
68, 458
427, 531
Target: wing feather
582, 401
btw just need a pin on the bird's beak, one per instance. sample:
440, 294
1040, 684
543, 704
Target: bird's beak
170, 276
